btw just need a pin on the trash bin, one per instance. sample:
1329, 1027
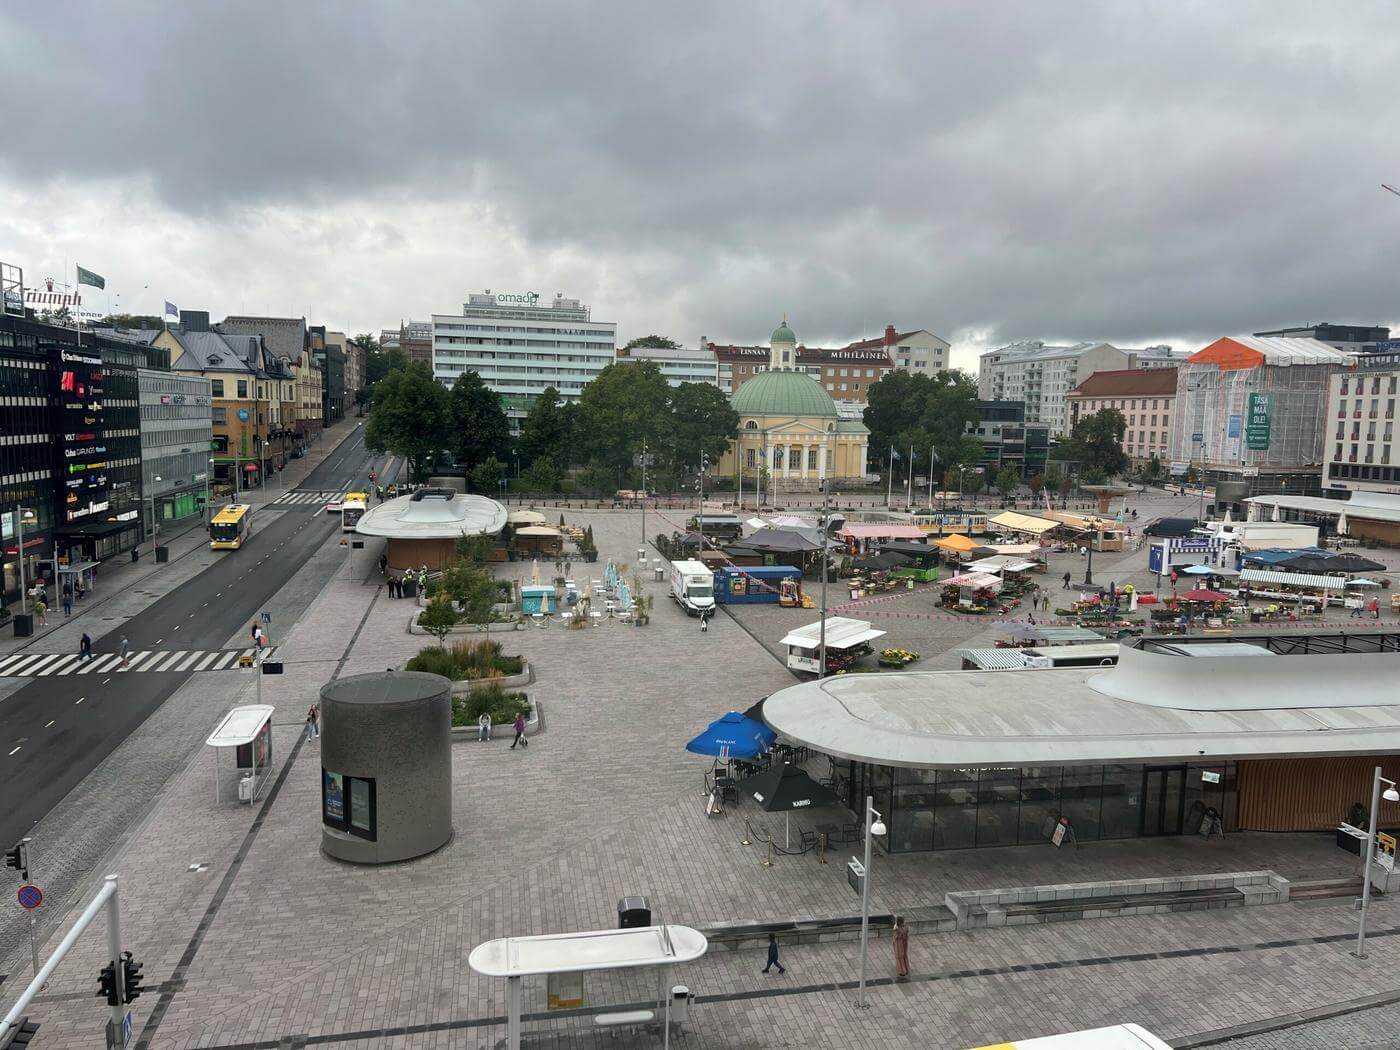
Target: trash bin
681, 998
660, 573
633, 912
410, 587
24, 625
162, 555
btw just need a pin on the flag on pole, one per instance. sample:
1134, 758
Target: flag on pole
89, 278
171, 310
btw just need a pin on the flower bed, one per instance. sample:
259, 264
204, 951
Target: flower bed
460, 661
897, 657
503, 706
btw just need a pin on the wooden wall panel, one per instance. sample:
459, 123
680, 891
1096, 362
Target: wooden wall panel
1310, 794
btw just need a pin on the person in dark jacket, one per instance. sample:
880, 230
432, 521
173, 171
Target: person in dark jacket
773, 955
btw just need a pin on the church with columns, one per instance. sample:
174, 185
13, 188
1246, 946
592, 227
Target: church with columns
790, 432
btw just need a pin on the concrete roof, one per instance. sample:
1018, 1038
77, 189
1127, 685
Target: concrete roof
1360, 509
434, 517
1156, 704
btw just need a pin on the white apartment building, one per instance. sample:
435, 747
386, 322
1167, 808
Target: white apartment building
1042, 376
1359, 448
917, 351
1161, 356
520, 346
677, 365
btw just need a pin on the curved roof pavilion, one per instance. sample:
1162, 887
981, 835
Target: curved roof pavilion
1169, 698
433, 514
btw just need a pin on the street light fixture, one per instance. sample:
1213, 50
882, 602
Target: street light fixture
1390, 795
826, 517
874, 825
156, 479
20, 513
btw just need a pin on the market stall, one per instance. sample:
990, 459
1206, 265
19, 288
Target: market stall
975, 592
846, 642
920, 559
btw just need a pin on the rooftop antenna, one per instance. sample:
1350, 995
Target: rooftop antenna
1392, 189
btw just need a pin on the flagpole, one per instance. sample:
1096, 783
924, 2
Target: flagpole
889, 482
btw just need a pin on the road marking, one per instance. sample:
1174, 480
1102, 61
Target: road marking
12, 753
159, 640
177, 627
79, 700
52, 658
51, 723
67, 664
105, 681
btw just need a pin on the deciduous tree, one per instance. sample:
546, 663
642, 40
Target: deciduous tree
479, 425
409, 418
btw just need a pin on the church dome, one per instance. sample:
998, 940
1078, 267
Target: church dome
783, 334
782, 393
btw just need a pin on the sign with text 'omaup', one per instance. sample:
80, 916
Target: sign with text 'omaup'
517, 298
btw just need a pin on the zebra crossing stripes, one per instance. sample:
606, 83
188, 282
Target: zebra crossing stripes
299, 497
41, 665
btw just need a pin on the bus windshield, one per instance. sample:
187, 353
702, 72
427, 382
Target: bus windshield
350, 515
224, 530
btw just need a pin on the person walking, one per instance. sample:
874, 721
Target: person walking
773, 955
383, 563
1065, 578
901, 947
519, 733
483, 727
704, 623
1375, 608
41, 610
67, 599
126, 653
311, 722
85, 647
257, 635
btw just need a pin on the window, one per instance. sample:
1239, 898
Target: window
751, 425
243, 388
812, 459
347, 803
869, 372
216, 387
751, 458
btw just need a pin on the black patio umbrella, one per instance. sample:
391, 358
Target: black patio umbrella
1335, 563
755, 712
882, 562
785, 788
781, 541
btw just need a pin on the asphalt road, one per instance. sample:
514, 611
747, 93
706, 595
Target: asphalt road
56, 730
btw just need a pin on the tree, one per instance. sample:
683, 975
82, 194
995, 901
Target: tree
542, 475
61, 316
907, 410
409, 418
479, 427
368, 341
486, 475
625, 407
1007, 481
1097, 443
474, 548
702, 420
972, 481
660, 342
1065, 486
1035, 483
133, 321
438, 618
545, 432
472, 587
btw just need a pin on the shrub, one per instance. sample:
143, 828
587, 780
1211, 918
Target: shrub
467, 660
438, 618
433, 661
503, 706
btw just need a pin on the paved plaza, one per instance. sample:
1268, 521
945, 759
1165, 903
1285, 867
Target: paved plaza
251, 937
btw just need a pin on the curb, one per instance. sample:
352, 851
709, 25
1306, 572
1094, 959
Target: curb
1283, 1021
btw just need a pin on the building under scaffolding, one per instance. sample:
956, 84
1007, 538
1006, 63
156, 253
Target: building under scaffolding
1251, 410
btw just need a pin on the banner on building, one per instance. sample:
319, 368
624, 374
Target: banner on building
11, 290
1258, 421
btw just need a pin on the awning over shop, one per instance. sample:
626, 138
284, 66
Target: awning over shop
95, 529
977, 580
1293, 579
1014, 522
881, 530
841, 633
1023, 549
1001, 563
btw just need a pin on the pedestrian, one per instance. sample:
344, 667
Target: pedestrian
311, 722
126, 653
519, 733
1355, 613
1066, 581
483, 727
41, 610
901, 947
85, 647
1173, 579
255, 632
1375, 608
383, 563
1112, 590
704, 623
393, 587
773, 955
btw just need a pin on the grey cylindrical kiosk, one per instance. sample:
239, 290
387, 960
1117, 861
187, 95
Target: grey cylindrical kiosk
386, 766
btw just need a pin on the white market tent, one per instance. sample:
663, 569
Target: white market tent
515, 958
242, 727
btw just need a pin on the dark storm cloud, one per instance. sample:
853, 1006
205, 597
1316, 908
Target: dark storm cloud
1116, 171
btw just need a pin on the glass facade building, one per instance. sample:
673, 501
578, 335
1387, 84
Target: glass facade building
176, 436
28, 353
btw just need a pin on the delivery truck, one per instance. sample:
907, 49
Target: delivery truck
693, 587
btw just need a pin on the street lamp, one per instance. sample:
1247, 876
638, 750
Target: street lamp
874, 825
821, 631
156, 479
516, 453
1391, 795
1089, 565
20, 519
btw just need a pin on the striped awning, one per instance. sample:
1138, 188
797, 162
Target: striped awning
994, 659
1294, 579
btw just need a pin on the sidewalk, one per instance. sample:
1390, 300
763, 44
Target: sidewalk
119, 576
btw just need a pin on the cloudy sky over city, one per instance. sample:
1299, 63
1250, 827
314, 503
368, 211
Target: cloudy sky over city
1134, 172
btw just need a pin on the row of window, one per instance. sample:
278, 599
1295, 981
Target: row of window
1370, 454
1358, 407
793, 459
1358, 472
1360, 384
440, 326
1370, 431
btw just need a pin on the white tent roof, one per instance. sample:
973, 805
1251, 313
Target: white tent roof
1281, 351
841, 633
590, 950
1355, 508
1293, 579
240, 726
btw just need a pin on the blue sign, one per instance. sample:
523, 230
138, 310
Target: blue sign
266, 617
1197, 437
126, 1030
243, 414
30, 897
1234, 427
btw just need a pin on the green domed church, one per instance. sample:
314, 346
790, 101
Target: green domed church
789, 425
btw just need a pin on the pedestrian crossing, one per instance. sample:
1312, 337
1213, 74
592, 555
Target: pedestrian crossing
42, 665
307, 497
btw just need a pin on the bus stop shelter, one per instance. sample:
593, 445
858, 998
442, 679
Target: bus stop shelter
516, 958
248, 730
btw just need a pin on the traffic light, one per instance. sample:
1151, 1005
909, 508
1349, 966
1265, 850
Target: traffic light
131, 976
18, 1034
18, 858
107, 978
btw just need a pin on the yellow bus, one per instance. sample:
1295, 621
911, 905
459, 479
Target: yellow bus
230, 527
1115, 1037
946, 523
352, 508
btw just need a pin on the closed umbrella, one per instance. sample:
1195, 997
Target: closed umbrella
785, 788
733, 736
1275, 517
1342, 528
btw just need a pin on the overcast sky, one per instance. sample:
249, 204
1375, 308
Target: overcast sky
1121, 171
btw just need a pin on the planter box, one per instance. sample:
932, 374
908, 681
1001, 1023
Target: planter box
470, 628
510, 683
534, 722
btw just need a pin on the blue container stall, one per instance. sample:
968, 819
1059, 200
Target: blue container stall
536, 598
752, 584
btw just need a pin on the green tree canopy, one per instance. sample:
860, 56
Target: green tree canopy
542, 475
478, 422
486, 476
625, 407
1096, 443
658, 341
545, 433
409, 418
133, 321
928, 413
702, 420
1007, 481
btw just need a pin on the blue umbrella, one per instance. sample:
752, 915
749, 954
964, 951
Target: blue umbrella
734, 736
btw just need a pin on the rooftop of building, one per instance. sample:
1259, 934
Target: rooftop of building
891, 337
781, 392
1128, 382
1035, 349
1267, 696
1250, 351
433, 514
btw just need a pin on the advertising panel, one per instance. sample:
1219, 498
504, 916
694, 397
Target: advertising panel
1258, 421
82, 446
333, 798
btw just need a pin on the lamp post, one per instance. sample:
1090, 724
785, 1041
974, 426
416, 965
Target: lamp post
1391, 795
154, 480
20, 512
1089, 565
516, 453
821, 630
874, 825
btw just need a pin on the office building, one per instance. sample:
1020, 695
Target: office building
519, 346
679, 365
330, 358
917, 351
1008, 440
415, 339
1144, 396
1359, 450
176, 437
1357, 338
846, 374
1252, 412
1042, 376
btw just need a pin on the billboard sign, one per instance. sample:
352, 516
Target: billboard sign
1258, 421
83, 447
11, 290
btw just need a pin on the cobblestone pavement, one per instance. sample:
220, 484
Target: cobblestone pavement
273, 944
1362, 1029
